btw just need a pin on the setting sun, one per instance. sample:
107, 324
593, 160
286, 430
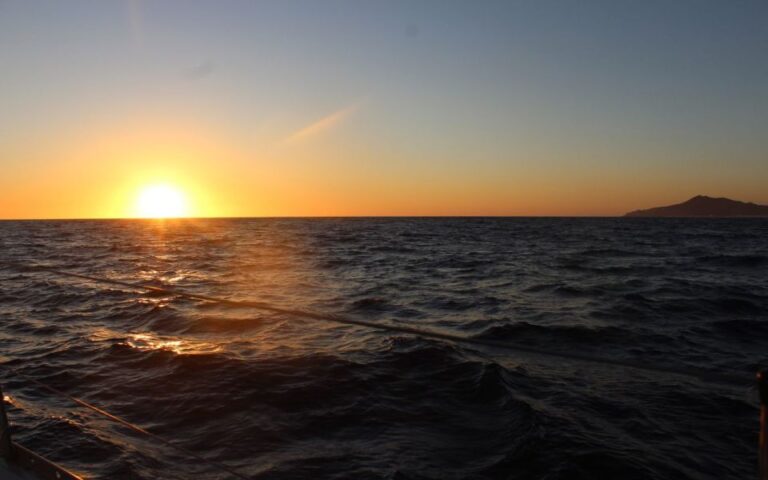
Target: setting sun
161, 201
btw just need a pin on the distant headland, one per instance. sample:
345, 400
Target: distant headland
703, 206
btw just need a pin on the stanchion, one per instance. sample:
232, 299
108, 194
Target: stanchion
5, 431
762, 387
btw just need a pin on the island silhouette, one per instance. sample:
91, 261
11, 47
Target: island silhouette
703, 206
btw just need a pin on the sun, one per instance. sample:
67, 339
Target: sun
161, 201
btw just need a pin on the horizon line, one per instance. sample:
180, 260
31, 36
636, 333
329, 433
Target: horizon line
236, 217
320, 217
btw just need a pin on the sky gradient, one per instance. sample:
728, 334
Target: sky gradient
381, 108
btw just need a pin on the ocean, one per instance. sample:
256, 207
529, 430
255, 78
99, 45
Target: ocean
279, 397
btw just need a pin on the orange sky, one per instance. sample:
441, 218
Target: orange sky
316, 170
313, 171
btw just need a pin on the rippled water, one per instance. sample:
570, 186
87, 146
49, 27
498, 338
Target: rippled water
285, 398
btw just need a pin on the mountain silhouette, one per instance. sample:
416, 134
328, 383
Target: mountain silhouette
703, 206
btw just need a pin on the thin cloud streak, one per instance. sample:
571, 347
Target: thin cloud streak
324, 124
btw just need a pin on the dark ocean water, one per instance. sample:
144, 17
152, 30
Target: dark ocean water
285, 398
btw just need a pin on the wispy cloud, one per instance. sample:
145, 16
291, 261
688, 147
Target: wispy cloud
200, 70
323, 125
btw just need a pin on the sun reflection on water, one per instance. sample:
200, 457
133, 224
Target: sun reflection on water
152, 342
146, 341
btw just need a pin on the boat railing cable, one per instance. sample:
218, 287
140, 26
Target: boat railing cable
688, 371
131, 426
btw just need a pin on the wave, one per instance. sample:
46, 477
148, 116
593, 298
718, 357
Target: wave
736, 261
528, 332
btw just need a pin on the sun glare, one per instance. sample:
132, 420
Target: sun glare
161, 201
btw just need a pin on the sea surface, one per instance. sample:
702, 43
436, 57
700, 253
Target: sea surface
277, 397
